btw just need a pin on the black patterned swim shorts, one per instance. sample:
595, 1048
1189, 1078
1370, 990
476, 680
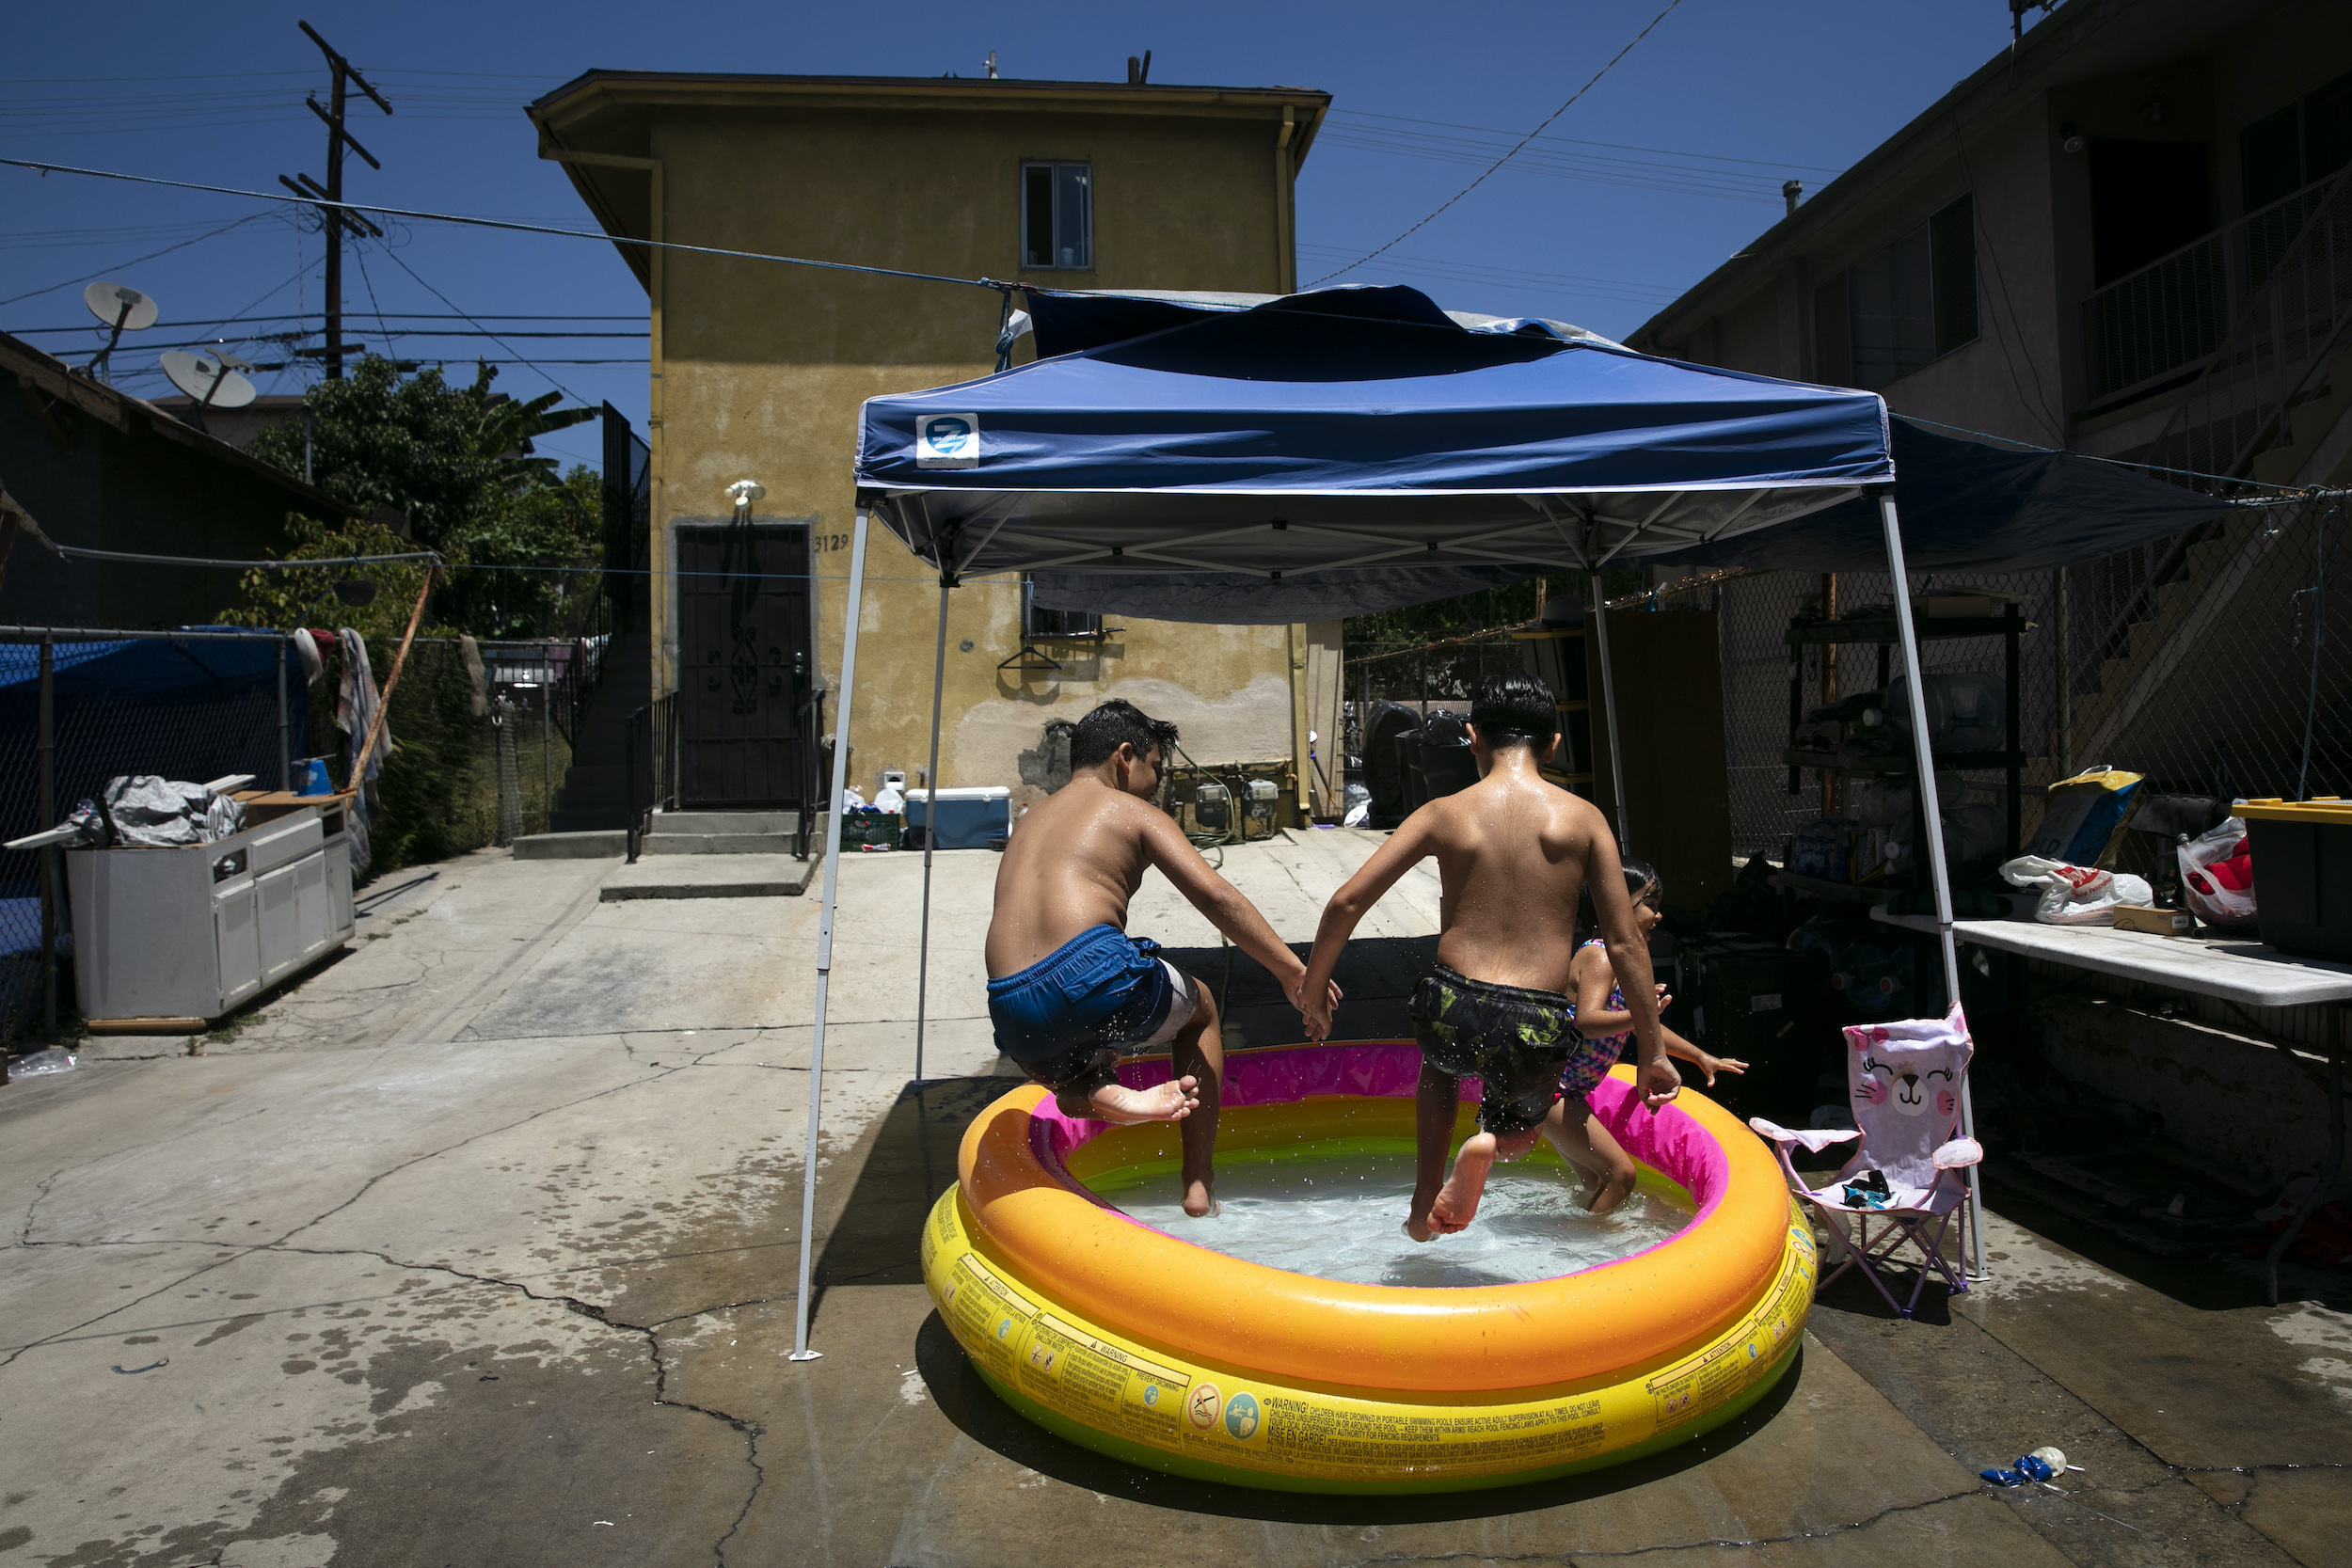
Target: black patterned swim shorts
1514, 1041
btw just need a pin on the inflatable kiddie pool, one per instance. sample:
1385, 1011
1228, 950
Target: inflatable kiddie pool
1143, 1346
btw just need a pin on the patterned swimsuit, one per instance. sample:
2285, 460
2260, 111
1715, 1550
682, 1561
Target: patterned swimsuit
1588, 1066
1520, 1044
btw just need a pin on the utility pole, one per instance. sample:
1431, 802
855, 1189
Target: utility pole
333, 221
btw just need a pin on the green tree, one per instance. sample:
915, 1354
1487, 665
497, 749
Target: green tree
550, 528
458, 460
306, 596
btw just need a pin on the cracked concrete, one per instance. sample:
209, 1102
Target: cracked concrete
480, 1246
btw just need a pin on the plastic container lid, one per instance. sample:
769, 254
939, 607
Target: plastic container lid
2324, 810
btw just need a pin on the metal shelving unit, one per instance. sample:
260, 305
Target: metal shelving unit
1880, 632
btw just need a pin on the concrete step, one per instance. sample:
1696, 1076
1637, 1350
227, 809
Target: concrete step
708, 877
720, 844
606, 843
724, 822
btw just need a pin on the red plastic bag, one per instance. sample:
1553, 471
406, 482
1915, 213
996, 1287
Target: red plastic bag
2217, 875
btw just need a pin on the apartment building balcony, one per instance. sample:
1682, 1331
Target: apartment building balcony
2153, 330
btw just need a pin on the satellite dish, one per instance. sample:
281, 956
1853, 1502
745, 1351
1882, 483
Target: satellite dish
120, 307
208, 379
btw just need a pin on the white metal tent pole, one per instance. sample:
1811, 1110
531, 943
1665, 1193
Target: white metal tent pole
824, 925
1931, 826
1609, 715
930, 828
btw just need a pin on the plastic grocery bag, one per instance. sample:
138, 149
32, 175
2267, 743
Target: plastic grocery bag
2076, 894
2217, 875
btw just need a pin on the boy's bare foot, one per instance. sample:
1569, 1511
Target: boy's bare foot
1420, 1224
1456, 1203
1608, 1195
1124, 1107
1200, 1197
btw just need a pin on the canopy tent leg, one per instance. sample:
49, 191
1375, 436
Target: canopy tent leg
931, 829
824, 929
1932, 818
1609, 715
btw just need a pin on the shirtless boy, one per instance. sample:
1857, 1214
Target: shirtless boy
1069, 992
1512, 854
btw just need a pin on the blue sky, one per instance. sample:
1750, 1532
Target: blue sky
1667, 166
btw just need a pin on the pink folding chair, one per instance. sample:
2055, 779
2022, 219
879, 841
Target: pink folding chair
1904, 1082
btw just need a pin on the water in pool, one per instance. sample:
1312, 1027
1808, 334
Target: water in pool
1337, 1211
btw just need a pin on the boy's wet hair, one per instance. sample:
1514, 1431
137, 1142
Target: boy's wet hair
1642, 878
1515, 708
1098, 736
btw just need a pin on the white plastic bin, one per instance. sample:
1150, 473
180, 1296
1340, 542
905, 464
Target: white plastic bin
968, 818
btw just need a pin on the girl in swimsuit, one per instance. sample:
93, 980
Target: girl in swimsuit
1602, 1019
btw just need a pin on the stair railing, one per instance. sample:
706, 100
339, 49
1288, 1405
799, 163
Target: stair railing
652, 766
2297, 313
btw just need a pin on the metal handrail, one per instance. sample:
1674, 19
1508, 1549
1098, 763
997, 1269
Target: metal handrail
652, 766
2190, 296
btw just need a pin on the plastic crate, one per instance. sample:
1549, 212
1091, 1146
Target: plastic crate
878, 827
2303, 873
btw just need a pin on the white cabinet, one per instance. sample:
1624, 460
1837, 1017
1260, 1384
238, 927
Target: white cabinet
192, 931
236, 942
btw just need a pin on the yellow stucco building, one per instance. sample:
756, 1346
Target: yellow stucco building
758, 368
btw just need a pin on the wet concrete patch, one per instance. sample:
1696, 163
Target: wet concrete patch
364, 1413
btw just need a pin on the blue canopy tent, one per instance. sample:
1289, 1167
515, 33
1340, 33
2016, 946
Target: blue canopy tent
1330, 454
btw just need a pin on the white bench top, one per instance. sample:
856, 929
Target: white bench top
2235, 969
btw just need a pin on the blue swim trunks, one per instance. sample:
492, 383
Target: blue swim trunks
1099, 996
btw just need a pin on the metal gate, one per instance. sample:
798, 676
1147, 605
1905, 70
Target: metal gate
745, 726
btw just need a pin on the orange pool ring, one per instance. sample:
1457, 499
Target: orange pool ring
1120, 1337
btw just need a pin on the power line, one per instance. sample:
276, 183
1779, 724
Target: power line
193, 322
392, 316
462, 220
485, 332
242, 75
134, 261
1504, 277
1558, 171
1507, 156
1578, 141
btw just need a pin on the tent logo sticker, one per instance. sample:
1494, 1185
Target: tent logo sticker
947, 441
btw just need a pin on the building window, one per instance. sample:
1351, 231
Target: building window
1904, 307
1058, 215
2300, 145
1037, 622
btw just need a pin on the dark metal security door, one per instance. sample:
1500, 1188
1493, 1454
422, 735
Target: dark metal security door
744, 726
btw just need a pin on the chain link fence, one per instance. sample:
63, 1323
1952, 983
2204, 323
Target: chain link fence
2216, 662
472, 766
1437, 675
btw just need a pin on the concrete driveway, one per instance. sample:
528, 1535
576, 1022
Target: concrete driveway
478, 1247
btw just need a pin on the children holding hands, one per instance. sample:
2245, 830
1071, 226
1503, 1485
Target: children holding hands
1513, 854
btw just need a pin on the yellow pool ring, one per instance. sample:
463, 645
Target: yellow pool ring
1150, 1349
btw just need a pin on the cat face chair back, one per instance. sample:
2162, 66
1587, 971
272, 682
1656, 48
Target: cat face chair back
1903, 1084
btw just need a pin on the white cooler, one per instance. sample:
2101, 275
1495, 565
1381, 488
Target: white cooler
968, 818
